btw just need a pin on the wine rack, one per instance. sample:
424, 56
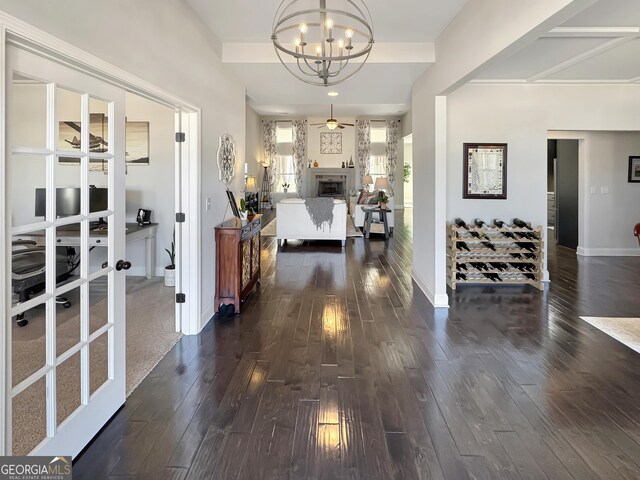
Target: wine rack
493, 255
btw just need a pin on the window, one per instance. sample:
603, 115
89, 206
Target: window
378, 157
285, 165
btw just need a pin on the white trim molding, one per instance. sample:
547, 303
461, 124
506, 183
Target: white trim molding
440, 300
608, 252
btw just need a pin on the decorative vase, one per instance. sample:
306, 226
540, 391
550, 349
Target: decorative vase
286, 190
343, 165
315, 164
382, 205
170, 276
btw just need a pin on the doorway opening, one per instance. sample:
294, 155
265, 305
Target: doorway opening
563, 192
69, 378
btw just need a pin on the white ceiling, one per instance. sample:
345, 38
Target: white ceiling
404, 21
601, 44
382, 87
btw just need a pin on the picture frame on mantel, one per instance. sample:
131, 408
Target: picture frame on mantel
634, 169
485, 171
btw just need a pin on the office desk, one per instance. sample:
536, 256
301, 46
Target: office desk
98, 238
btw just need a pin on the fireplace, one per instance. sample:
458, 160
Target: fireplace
331, 188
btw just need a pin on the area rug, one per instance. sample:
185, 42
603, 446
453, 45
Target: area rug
270, 230
625, 330
150, 335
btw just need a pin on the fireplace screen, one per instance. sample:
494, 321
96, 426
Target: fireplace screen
330, 189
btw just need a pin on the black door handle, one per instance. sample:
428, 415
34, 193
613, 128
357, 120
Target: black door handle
122, 265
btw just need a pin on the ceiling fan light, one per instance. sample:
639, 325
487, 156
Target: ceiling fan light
332, 124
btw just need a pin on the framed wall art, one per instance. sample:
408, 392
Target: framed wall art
226, 159
331, 142
485, 171
634, 169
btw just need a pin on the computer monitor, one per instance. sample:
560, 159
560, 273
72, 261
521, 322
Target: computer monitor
68, 201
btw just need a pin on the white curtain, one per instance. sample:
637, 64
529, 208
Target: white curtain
270, 148
393, 128
299, 151
363, 128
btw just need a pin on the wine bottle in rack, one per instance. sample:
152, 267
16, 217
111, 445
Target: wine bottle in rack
462, 224
460, 276
479, 223
494, 277
522, 224
461, 266
499, 266
463, 246
489, 245
515, 255
530, 276
479, 266
527, 246
530, 256
500, 224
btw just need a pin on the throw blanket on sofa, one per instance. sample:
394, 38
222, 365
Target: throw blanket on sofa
320, 211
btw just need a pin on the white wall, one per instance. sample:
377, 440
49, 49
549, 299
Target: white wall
522, 115
255, 150
170, 47
606, 225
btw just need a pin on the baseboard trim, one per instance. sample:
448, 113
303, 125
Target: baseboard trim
207, 314
608, 252
142, 272
440, 300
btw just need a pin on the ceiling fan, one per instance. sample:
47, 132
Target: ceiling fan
332, 123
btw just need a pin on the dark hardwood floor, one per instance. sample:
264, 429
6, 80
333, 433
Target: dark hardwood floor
339, 368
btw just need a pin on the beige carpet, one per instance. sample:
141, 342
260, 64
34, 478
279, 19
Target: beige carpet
625, 330
270, 230
150, 335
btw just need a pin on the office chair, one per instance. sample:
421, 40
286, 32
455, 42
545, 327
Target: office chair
28, 272
636, 232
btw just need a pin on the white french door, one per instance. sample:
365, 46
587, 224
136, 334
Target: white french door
65, 318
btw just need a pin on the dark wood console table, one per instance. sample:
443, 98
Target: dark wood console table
237, 260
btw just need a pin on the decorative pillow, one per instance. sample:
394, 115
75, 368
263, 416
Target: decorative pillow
372, 200
361, 193
363, 198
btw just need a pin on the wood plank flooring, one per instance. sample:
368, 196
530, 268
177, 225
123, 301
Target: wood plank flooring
339, 368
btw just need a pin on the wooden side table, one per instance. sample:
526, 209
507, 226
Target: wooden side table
368, 218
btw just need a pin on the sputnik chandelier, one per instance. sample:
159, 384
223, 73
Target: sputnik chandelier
323, 42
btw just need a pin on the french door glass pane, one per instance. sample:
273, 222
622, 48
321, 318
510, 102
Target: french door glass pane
99, 128
68, 387
29, 418
98, 362
28, 345
27, 181
98, 303
28, 113
67, 321
28, 267
69, 118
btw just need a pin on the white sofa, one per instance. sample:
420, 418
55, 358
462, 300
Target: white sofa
358, 214
294, 223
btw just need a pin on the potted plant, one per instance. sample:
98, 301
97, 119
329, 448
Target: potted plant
382, 199
246, 213
170, 270
285, 187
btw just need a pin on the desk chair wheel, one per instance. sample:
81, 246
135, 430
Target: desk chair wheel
63, 301
21, 321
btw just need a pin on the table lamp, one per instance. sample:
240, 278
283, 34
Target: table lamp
382, 183
251, 185
367, 180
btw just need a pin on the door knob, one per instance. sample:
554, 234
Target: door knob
123, 265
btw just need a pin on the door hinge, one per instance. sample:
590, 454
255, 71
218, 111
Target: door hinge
181, 218
181, 137
181, 298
